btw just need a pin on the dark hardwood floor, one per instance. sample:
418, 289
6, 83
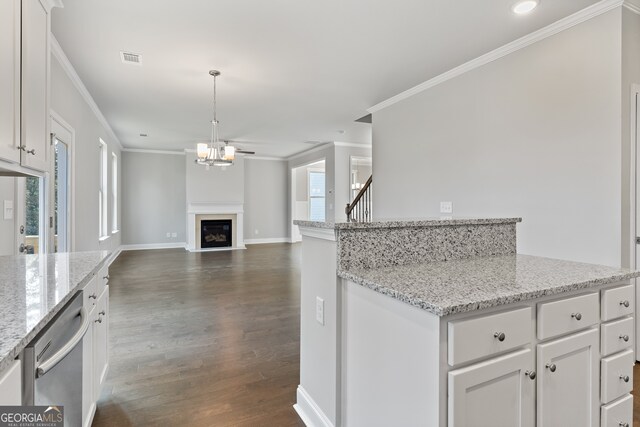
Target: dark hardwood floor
203, 339
208, 339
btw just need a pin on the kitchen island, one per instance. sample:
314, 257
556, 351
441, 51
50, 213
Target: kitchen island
440, 322
33, 291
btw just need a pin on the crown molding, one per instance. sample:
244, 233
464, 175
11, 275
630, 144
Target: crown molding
148, 151
252, 157
351, 144
579, 17
57, 51
312, 150
632, 7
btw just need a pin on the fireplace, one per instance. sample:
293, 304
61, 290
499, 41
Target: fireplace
215, 233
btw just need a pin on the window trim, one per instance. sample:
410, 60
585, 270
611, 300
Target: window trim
114, 193
103, 188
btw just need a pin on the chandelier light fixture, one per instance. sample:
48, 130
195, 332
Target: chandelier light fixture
215, 153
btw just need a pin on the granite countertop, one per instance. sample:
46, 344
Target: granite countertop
33, 288
457, 286
400, 223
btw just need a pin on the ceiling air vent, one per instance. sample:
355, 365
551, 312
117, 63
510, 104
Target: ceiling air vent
131, 58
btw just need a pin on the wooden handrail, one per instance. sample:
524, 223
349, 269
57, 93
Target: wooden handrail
351, 206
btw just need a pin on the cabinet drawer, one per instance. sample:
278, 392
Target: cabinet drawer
471, 339
616, 336
567, 315
90, 295
617, 302
618, 413
102, 278
615, 370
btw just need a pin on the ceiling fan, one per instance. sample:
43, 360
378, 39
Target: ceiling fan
236, 149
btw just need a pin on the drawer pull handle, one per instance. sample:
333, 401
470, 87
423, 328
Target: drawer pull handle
625, 303
106, 277
624, 338
102, 313
551, 367
98, 320
500, 336
621, 424
94, 296
577, 316
531, 374
32, 151
624, 378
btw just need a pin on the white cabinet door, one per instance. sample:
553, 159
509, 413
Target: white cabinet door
35, 72
495, 393
568, 381
10, 80
101, 342
11, 385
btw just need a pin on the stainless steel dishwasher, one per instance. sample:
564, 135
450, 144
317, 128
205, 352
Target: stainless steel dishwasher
52, 373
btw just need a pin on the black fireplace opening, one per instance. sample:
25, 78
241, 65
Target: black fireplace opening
215, 233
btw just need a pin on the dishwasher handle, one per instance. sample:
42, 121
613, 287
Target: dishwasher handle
46, 366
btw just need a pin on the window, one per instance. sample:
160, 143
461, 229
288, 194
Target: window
102, 192
316, 196
114, 193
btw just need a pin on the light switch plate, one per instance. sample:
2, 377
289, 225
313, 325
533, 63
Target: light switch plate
8, 209
446, 207
320, 310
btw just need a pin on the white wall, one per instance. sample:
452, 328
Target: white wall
265, 200
630, 76
154, 201
72, 107
7, 226
215, 184
535, 134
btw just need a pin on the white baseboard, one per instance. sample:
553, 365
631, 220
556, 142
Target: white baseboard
269, 240
309, 411
224, 248
167, 245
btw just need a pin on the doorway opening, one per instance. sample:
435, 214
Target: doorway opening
308, 191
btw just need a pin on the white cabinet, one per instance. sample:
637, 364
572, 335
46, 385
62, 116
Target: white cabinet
96, 344
495, 393
10, 80
11, 385
34, 135
101, 342
568, 381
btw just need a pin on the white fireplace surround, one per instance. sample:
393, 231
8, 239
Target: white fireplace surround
214, 208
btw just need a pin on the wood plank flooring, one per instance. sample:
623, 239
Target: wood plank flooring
208, 339
203, 339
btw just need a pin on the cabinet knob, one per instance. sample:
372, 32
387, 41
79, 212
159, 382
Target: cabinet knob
624, 338
106, 277
551, 367
622, 424
531, 374
94, 296
625, 303
22, 147
32, 151
624, 378
500, 336
98, 320
102, 313
576, 316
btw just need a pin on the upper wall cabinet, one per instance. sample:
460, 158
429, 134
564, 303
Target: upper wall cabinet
24, 82
10, 80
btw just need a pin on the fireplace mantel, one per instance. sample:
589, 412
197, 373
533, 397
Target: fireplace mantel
234, 209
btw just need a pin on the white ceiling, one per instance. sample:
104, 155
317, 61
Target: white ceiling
292, 70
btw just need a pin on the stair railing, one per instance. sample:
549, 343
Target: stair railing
360, 209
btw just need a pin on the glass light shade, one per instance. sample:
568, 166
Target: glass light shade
202, 150
229, 152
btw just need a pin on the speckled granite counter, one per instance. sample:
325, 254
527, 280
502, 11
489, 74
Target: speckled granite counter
458, 286
33, 289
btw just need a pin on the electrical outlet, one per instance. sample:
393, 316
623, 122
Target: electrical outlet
320, 310
174, 234
446, 207
168, 234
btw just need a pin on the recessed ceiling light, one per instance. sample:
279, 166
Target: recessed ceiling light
523, 7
